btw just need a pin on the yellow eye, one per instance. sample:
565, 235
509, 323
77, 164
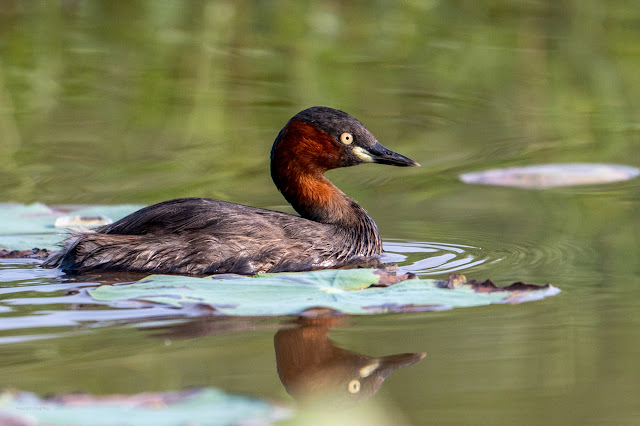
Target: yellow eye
346, 138
354, 385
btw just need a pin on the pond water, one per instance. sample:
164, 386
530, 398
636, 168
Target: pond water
136, 102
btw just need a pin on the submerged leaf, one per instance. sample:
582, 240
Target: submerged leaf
196, 406
355, 291
23, 227
552, 175
34, 253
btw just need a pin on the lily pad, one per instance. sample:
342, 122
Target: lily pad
24, 227
209, 406
552, 175
354, 292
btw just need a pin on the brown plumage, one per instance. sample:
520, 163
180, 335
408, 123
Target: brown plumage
205, 236
311, 367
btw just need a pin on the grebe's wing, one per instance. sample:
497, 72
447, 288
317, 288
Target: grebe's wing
200, 236
186, 214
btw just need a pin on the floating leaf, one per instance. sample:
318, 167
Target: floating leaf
346, 291
197, 406
24, 227
552, 175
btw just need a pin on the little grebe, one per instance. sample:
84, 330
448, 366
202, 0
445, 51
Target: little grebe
205, 236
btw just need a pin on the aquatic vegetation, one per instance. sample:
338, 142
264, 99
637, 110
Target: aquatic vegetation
349, 291
194, 406
552, 175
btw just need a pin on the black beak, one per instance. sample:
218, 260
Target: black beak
378, 153
390, 363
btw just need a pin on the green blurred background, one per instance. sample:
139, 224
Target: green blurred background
131, 101
140, 101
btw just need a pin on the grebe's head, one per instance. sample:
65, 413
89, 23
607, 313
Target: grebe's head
321, 138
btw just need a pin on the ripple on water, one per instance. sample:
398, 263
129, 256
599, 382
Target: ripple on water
541, 254
19, 271
524, 256
432, 258
33, 300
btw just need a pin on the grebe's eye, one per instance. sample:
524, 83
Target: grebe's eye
346, 138
353, 386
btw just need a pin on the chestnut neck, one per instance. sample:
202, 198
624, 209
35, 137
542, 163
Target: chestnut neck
300, 156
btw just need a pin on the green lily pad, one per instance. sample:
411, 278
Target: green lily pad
209, 406
344, 291
23, 227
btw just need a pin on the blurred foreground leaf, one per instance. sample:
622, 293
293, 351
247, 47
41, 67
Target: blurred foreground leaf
208, 406
342, 291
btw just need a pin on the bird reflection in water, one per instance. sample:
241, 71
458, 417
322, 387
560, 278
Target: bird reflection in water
311, 367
